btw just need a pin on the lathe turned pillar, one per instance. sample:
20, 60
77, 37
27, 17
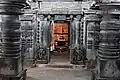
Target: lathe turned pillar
11, 60
108, 61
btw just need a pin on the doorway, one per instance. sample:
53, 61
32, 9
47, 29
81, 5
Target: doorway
60, 33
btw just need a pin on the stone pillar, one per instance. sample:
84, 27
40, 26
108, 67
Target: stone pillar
11, 60
27, 35
42, 40
108, 61
92, 36
76, 54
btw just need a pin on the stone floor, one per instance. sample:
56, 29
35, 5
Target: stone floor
58, 69
57, 74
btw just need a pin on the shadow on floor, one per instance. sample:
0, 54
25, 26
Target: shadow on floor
60, 57
30, 78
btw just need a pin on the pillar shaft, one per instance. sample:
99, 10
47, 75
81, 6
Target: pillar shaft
109, 48
10, 57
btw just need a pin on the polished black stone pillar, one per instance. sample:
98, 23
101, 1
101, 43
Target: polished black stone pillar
11, 60
108, 61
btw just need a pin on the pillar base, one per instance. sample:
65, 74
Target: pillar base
20, 76
106, 79
96, 77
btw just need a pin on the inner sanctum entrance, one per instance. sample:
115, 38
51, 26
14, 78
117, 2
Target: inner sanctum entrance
60, 42
59, 39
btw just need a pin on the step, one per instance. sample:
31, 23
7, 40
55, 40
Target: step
60, 65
